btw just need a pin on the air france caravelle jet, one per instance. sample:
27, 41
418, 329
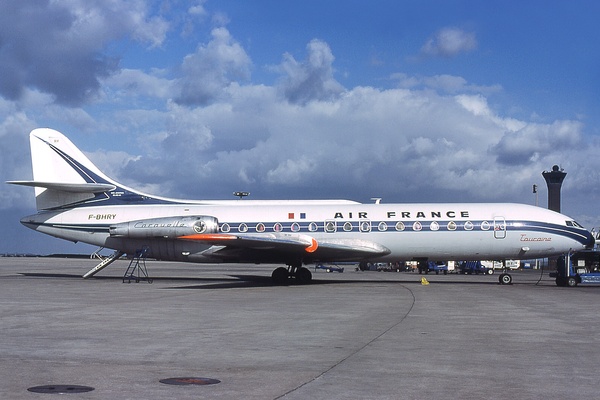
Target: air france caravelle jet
77, 202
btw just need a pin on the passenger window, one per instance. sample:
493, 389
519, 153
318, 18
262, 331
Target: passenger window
451, 226
243, 227
330, 226
382, 226
277, 227
365, 226
434, 226
313, 227
400, 226
225, 228
417, 226
485, 225
468, 226
347, 226
295, 227
260, 227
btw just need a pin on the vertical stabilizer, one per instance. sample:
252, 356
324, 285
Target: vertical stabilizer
56, 159
64, 177
62, 174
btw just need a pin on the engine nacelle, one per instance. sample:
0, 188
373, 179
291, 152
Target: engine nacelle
166, 227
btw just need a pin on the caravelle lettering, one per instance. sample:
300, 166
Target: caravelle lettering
146, 225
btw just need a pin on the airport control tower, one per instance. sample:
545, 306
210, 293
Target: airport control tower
554, 180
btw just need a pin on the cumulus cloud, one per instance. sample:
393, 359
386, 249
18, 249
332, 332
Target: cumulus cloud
528, 144
449, 42
311, 79
135, 83
57, 47
445, 83
213, 66
397, 143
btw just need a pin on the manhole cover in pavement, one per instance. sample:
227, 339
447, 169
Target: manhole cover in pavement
60, 389
190, 381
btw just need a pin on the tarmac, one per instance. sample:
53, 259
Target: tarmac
350, 335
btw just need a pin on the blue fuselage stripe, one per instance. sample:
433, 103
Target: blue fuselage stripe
307, 227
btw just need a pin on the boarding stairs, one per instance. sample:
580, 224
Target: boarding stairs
104, 262
137, 271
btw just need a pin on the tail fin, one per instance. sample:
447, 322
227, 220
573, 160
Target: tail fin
64, 177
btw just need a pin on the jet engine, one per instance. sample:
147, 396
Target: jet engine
166, 227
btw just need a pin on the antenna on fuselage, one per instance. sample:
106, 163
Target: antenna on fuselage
241, 195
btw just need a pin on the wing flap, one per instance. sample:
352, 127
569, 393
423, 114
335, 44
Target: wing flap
269, 241
347, 249
326, 249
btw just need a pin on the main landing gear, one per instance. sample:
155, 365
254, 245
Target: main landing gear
302, 275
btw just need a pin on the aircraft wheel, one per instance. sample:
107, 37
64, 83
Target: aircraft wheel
571, 281
505, 279
303, 276
280, 276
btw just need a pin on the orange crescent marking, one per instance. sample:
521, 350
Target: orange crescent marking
313, 247
208, 236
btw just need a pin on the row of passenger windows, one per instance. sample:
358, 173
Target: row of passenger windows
362, 226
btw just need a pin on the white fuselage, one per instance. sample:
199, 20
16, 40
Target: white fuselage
444, 231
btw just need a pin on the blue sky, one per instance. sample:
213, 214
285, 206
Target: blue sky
410, 101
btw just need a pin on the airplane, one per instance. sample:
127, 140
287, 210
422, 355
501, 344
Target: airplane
77, 202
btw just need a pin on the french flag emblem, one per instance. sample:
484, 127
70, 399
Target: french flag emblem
293, 215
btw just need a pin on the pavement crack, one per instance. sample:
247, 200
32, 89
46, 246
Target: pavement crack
358, 350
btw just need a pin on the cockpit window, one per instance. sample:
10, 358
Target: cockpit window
574, 224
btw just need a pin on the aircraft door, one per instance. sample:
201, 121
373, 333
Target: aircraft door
499, 228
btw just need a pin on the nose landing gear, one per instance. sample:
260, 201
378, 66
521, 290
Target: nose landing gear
505, 279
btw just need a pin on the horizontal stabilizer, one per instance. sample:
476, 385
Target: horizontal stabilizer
68, 187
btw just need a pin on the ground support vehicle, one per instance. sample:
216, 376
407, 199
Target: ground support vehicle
506, 265
580, 268
329, 268
433, 266
474, 267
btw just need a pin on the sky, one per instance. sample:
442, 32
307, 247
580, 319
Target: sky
409, 101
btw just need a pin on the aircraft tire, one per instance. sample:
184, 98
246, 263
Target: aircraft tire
280, 276
303, 276
505, 279
571, 281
